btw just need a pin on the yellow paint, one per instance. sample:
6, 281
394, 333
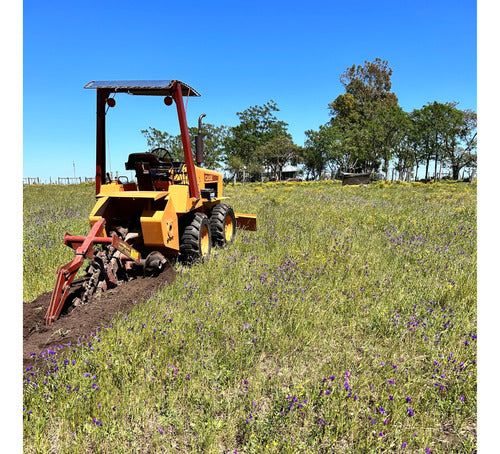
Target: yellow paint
94, 217
205, 240
114, 186
205, 176
179, 195
160, 228
155, 195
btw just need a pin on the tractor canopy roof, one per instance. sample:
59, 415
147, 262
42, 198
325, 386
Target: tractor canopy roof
142, 87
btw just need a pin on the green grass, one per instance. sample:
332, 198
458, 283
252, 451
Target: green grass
346, 323
48, 213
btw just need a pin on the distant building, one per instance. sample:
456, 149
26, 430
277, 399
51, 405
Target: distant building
289, 172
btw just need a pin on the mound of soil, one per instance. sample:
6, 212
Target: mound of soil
38, 337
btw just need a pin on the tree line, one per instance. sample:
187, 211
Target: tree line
367, 132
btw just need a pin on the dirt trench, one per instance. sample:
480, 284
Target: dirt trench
38, 337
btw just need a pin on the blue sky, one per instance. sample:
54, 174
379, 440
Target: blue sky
236, 53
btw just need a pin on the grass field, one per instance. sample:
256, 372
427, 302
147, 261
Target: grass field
346, 323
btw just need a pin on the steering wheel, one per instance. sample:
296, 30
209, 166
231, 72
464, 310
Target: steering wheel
162, 153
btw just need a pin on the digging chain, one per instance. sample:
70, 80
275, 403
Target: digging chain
103, 270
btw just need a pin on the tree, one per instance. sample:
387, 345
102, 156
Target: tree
445, 123
314, 154
441, 132
276, 153
404, 152
391, 125
160, 139
319, 150
370, 83
323, 151
468, 135
258, 125
213, 137
423, 136
234, 165
458, 137
363, 114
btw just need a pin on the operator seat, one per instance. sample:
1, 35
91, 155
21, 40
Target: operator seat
142, 164
148, 170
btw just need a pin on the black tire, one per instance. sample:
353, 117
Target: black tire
195, 241
223, 225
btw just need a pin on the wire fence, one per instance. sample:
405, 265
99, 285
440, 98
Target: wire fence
58, 180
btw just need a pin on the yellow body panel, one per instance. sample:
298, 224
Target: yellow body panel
156, 211
93, 217
209, 178
114, 186
179, 195
160, 228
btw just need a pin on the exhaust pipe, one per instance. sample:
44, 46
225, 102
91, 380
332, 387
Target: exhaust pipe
198, 141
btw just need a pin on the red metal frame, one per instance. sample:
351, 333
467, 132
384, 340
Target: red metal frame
100, 170
100, 175
186, 143
84, 248
66, 273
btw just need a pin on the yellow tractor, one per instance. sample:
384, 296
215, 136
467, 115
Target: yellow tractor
172, 209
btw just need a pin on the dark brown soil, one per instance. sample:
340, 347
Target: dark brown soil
37, 337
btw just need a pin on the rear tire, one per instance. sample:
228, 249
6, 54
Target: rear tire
223, 225
195, 241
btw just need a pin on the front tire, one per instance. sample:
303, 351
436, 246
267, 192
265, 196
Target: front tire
223, 225
195, 241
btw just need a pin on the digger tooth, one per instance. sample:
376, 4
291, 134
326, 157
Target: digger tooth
90, 286
98, 281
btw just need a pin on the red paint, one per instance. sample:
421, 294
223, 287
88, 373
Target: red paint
186, 143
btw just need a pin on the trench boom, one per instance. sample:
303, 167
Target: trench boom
67, 273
